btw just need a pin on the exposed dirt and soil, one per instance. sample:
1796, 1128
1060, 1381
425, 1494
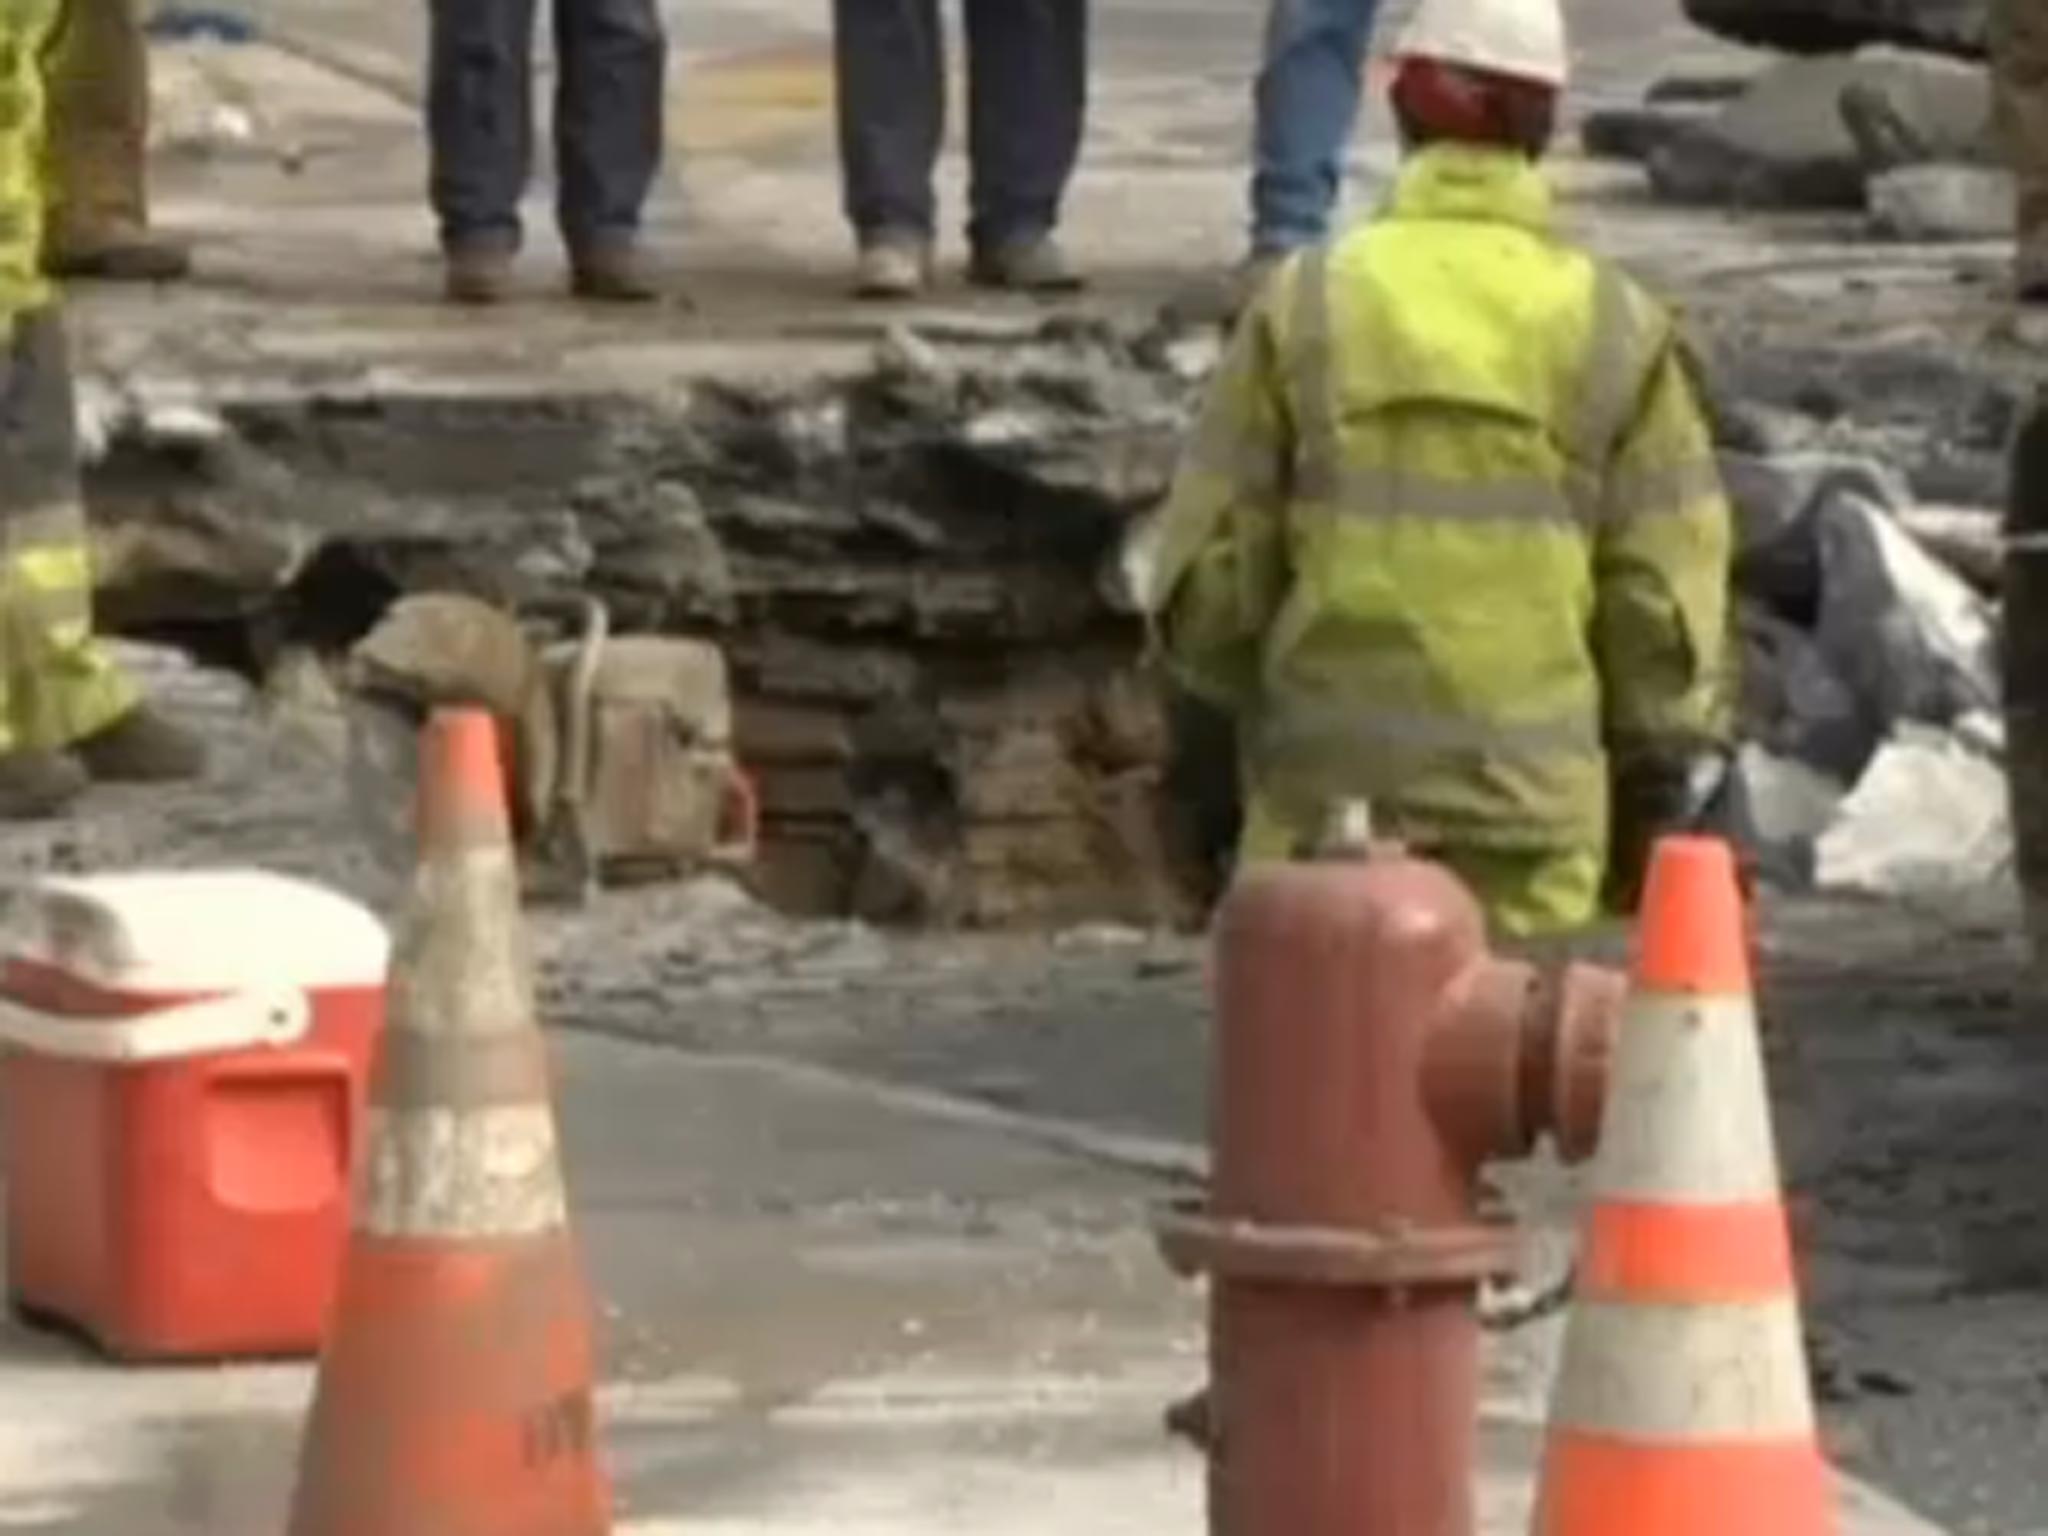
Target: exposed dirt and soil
943, 715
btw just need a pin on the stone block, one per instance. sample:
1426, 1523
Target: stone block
1944, 202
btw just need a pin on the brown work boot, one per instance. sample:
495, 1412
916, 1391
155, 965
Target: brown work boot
142, 747
125, 256
478, 274
35, 786
1035, 264
612, 272
893, 265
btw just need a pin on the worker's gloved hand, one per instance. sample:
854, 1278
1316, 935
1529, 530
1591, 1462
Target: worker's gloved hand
1657, 795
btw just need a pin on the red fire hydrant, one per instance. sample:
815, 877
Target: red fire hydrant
1370, 1056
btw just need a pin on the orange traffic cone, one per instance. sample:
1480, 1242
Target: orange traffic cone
454, 1396
1682, 1406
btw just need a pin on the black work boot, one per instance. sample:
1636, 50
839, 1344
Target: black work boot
35, 786
120, 256
1033, 264
142, 747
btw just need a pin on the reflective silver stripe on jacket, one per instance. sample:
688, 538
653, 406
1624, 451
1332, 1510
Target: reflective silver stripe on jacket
1384, 491
1317, 477
1668, 490
1305, 726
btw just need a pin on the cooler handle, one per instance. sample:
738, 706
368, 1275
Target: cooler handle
743, 804
238, 1021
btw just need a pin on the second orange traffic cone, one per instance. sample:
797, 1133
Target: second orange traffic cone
1682, 1406
454, 1395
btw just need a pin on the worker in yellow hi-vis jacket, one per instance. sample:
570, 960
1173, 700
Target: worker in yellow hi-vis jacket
67, 713
96, 64
1449, 536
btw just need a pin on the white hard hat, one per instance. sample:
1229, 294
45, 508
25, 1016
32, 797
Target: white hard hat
1521, 38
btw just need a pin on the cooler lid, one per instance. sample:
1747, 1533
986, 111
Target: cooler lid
182, 932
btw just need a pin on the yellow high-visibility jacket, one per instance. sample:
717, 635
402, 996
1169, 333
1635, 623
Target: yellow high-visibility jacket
1448, 533
57, 683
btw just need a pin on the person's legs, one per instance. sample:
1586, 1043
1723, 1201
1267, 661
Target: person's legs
1028, 76
1202, 802
1531, 893
609, 126
2019, 62
480, 132
1306, 102
1525, 892
97, 171
67, 712
890, 58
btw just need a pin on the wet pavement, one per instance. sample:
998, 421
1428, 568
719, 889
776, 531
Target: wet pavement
822, 1311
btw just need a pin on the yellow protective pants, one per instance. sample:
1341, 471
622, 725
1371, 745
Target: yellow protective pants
57, 683
97, 67
1526, 893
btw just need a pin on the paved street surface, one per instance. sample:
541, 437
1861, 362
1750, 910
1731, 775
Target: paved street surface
316, 251
825, 1312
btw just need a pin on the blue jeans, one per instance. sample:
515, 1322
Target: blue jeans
1027, 77
610, 61
1307, 99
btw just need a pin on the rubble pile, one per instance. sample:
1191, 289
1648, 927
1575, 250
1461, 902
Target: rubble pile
1901, 136
1873, 742
1959, 27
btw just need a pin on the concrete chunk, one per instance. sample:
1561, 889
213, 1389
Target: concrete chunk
1943, 202
1808, 133
1928, 819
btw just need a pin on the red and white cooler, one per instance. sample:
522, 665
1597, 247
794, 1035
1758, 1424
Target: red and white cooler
184, 1059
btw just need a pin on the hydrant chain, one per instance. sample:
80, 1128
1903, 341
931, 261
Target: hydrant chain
1193, 1243
1517, 1306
